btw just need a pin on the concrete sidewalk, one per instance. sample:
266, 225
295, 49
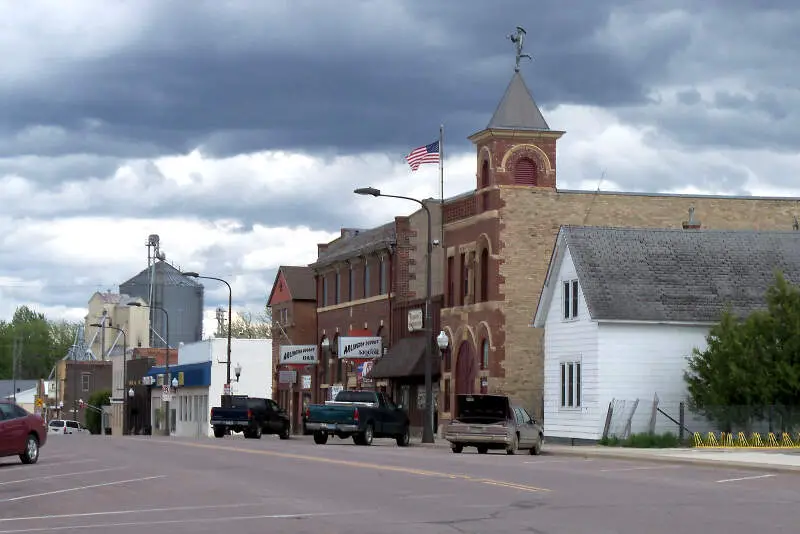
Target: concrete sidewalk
783, 460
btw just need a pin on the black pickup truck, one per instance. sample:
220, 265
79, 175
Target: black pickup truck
362, 415
251, 416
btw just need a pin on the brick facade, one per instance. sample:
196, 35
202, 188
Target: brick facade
369, 307
293, 306
499, 239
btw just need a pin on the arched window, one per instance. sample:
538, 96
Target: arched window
484, 268
525, 172
484, 182
485, 354
484, 174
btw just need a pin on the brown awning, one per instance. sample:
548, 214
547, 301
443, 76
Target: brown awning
406, 359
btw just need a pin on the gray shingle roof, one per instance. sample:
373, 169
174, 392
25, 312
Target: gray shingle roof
518, 110
299, 279
678, 275
7, 387
357, 242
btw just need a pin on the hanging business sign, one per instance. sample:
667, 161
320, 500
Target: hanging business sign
360, 348
298, 355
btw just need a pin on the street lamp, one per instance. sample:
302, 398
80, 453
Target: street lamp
166, 357
174, 383
442, 341
427, 430
124, 367
237, 371
226, 399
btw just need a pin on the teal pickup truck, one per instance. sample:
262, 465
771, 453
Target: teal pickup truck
362, 415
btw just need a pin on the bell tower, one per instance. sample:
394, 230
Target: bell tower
517, 147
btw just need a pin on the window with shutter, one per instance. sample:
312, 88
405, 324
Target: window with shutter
525, 172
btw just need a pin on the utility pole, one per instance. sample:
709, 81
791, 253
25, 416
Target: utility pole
103, 337
14, 363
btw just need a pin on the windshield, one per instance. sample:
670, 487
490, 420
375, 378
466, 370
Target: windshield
482, 408
57, 423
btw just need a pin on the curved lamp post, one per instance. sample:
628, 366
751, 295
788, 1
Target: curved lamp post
427, 430
226, 399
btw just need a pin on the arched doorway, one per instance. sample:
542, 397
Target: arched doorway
466, 370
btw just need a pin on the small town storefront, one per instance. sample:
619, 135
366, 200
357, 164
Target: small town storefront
403, 369
295, 370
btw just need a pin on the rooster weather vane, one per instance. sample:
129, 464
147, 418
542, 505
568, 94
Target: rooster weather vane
518, 39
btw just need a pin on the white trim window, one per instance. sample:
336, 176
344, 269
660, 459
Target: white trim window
570, 299
571, 384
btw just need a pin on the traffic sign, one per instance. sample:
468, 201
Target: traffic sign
166, 394
226, 389
39, 402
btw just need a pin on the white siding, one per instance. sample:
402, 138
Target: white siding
571, 340
638, 361
255, 357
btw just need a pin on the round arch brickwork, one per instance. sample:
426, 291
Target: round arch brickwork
533, 152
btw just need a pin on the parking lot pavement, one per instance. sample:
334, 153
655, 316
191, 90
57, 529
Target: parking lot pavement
106, 484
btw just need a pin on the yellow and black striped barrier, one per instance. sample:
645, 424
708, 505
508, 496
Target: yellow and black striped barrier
742, 441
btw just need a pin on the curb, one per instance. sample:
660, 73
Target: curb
621, 455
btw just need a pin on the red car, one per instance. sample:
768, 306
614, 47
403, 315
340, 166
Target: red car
21, 433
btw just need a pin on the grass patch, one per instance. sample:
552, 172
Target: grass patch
667, 440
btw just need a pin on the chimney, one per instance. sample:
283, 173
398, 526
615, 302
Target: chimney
691, 224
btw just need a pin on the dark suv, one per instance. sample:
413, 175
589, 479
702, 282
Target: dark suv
21, 433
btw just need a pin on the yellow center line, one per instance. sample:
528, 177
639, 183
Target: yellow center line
365, 465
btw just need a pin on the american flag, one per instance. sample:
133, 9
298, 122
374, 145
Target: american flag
424, 154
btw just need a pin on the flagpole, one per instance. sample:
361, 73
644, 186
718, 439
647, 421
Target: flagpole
441, 180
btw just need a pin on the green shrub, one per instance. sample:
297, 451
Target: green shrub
643, 441
98, 399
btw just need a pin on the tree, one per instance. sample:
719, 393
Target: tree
41, 343
98, 399
750, 364
246, 325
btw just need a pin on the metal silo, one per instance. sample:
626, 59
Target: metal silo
161, 284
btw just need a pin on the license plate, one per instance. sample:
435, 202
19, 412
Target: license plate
331, 426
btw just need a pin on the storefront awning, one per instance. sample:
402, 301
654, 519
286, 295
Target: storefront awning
406, 359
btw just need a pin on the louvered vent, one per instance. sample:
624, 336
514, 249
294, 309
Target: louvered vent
525, 172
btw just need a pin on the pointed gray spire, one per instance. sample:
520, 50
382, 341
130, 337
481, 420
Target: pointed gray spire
517, 110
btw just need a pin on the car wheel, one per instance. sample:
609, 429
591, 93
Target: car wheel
219, 432
285, 432
369, 434
483, 450
257, 432
536, 450
457, 448
405, 438
512, 448
320, 438
31, 454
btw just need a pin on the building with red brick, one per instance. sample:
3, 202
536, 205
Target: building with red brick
366, 282
293, 303
500, 236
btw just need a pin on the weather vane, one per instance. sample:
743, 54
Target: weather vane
519, 41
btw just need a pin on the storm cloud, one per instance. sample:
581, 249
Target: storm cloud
238, 130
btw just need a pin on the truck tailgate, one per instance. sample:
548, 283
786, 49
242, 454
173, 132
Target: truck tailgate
322, 413
228, 416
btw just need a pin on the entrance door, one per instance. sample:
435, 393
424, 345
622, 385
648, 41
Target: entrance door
466, 369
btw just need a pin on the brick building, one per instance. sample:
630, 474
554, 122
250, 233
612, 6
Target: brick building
500, 236
365, 281
293, 302
82, 379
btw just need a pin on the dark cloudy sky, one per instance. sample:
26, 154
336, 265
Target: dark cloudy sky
236, 130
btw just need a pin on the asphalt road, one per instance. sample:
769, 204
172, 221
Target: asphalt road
119, 485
